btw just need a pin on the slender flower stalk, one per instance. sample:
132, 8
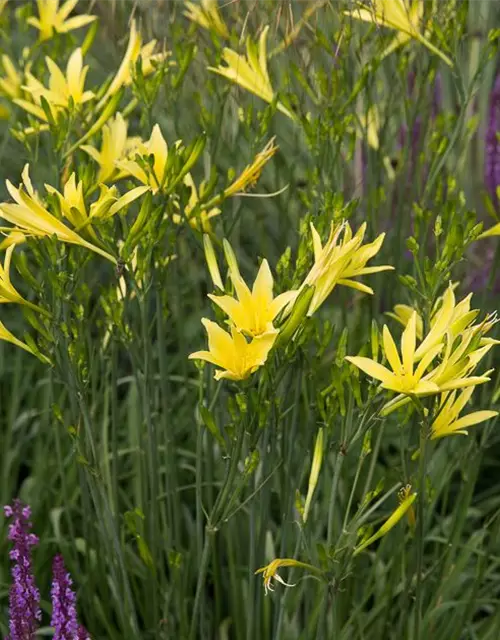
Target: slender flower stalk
24, 599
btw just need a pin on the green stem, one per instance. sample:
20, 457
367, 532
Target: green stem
420, 529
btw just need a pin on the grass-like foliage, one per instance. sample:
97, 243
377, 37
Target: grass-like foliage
248, 339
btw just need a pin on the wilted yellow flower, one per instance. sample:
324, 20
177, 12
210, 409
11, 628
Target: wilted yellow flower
62, 89
270, 571
11, 83
115, 146
448, 423
341, 260
390, 523
492, 231
30, 217
52, 19
208, 16
403, 16
134, 51
254, 311
156, 147
251, 173
403, 378
251, 72
237, 357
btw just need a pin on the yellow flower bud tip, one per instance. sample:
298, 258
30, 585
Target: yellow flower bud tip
211, 259
314, 475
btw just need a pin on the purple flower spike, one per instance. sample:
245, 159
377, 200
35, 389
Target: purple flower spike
492, 151
64, 618
83, 634
24, 597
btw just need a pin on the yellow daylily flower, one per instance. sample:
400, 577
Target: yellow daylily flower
134, 51
403, 377
15, 237
254, 311
401, 15
6, 335
115, 147
109, 203
31, 217
270, 571
11, 83
391, 522
251, 72
251, 173
492, 231
156, 147
237, 357
208, 16
448, 422
62, 88
8, 293
197, 216
341, 260
54, 19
